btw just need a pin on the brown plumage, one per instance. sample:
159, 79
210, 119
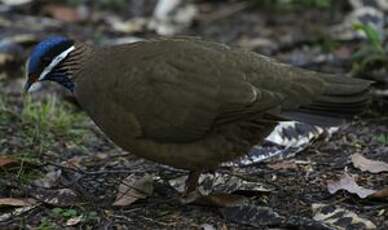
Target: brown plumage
193, 104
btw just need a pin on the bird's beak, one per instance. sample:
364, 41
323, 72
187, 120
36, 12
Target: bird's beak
31, 80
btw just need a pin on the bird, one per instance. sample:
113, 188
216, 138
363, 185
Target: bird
188, 102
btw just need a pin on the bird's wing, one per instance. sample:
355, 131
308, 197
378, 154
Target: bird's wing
312, 97
180, 90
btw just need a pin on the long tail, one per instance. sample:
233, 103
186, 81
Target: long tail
343, 98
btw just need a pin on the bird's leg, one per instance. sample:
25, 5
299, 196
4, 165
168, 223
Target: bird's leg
192, 182
191, 192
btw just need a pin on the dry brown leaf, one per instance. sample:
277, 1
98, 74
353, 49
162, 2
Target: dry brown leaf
17, 202
257, 42
348, 183
6, 58
6, 161
382, 194
221, 200
133, 188
65, 13
364, 164
286, 164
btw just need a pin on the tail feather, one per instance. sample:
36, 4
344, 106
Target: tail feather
343, 98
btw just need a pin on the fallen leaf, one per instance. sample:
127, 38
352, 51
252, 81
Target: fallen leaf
222, 200
252, 215
129, 26
257, 42
6, 161
172, 16
49, 180
6, 58
365, 164
382, 194
133, 188
65, 13
340, 218
348, 183
207, 227
16, 212
221, 183
74, 221
15, 2
57, 197
17, 202
286, 164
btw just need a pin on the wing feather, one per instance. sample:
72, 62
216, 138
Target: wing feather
181, 95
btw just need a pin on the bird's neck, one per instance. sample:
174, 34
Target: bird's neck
73, 63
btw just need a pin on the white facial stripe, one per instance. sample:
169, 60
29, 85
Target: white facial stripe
55, 62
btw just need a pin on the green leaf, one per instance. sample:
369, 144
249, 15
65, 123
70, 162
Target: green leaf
382, 138
57, 211
70, 213
372, 35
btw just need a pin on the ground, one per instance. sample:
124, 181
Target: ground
46, 135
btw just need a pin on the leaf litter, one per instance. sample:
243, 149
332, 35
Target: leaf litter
133, 188
347, 182
365, 164
340, 218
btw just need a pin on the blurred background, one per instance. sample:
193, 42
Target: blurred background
332, 36
42, 133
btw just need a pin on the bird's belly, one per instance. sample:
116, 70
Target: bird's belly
223, 144
204, 154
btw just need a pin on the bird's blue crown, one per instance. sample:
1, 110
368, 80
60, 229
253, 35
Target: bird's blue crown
46, 51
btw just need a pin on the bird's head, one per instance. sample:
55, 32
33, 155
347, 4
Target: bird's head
44, 63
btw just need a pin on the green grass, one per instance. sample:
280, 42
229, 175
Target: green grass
36, 129
52, 118
4, 112
382, 139
46, 224
46, 124
61, 215
372, 54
